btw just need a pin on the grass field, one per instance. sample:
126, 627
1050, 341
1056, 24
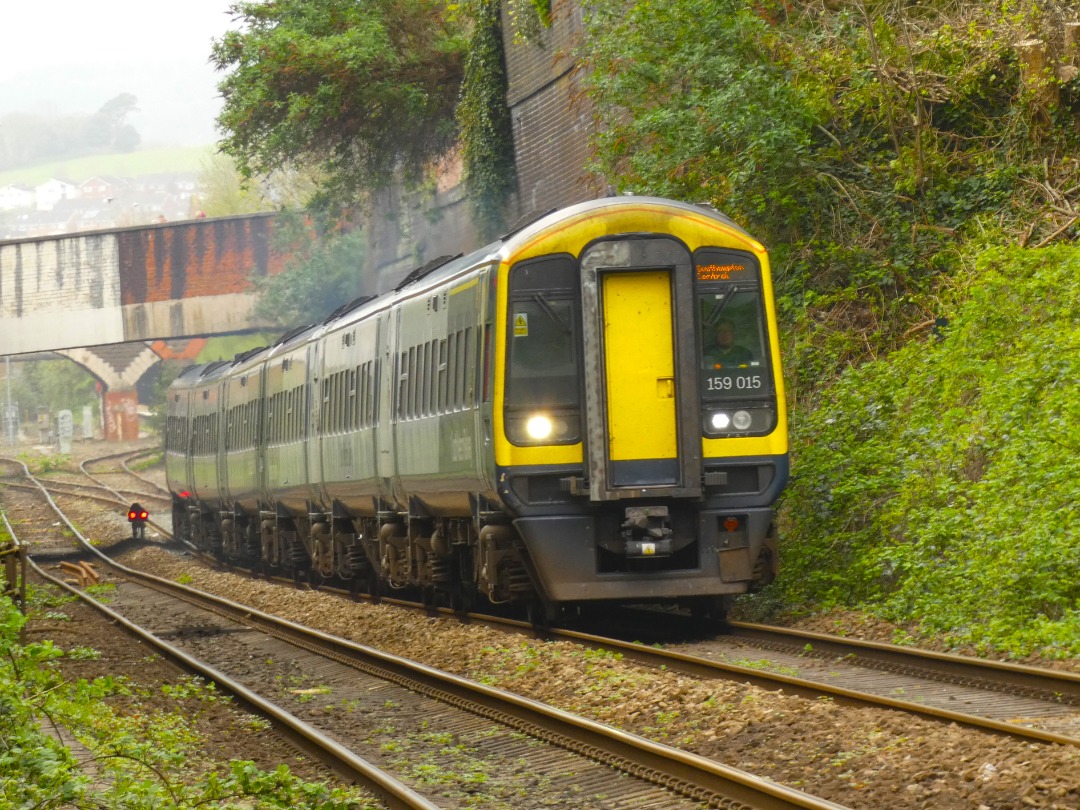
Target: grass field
76, 170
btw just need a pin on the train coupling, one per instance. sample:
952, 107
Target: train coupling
646, 532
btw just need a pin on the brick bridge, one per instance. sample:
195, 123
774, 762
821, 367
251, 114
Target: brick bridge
100, 298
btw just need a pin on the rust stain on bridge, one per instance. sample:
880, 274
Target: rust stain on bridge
196, 258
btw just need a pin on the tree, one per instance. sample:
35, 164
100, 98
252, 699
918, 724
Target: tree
225, 193
356, 90
325, 270
107, 128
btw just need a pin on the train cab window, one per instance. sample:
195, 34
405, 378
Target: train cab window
737, 387
542, 369
731, 335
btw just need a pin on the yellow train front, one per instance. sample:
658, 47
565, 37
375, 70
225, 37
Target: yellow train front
640, 433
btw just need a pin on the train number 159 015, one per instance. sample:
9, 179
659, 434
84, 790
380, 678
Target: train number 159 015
735, 382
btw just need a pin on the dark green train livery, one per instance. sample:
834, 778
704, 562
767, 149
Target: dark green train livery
589, 410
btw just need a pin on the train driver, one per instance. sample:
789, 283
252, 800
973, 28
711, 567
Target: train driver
724, 351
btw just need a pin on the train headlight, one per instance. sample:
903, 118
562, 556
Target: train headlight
543, 428
746, 421
539, 427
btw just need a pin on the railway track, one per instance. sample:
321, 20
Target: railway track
1025, 702
114, 469
565, 759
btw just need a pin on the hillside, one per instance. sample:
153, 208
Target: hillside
134, 164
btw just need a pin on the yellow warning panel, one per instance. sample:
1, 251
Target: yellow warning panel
639, 365
521, 325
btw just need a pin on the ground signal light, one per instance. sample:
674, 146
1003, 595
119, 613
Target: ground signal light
137, 517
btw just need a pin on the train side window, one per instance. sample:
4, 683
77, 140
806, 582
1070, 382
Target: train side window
410, 385
325, 389
425, 399
403, 379
372, 401
361, 396
429, 377
422, 379
302, 394
274, 418
349, 402
441, 404
451, 372
470, 368
343, 401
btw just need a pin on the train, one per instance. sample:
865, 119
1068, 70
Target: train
588, 412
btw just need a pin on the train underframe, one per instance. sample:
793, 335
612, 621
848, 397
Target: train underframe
452, 562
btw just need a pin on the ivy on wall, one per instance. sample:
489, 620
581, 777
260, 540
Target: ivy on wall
529, 19
484, 117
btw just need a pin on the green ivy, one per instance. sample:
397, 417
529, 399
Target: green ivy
484, 118
941, 484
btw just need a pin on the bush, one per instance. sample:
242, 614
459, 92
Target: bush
940, 484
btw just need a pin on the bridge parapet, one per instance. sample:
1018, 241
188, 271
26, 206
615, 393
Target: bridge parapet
145, 283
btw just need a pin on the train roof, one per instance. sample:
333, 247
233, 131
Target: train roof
435, 271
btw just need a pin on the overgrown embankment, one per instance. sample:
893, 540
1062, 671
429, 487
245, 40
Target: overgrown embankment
905, 164
941, 483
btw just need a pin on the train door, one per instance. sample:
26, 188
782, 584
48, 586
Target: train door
313, 412
384, 428
643, 438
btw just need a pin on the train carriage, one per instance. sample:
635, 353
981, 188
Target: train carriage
589, 410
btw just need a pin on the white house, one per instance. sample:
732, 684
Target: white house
16, 196
52, 191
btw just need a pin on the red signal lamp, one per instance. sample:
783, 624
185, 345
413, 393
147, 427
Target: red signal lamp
137, 513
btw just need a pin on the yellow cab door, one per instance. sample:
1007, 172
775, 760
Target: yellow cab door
643, 438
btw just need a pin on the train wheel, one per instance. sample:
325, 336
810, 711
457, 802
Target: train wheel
712, 610
374, 586
541, 614
463, 598
315, 579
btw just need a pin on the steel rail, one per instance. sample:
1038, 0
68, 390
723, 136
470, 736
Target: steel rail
345, 763
951, 667
1035, 681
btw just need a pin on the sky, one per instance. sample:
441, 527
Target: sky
52, 33
74, 55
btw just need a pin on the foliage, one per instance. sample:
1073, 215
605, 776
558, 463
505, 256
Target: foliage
54, 385
224, 192
42, 465
865, 144
32, 138
484, 118
356, 91
324, 271
943, 482
529, 18
886, 152
142, 759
